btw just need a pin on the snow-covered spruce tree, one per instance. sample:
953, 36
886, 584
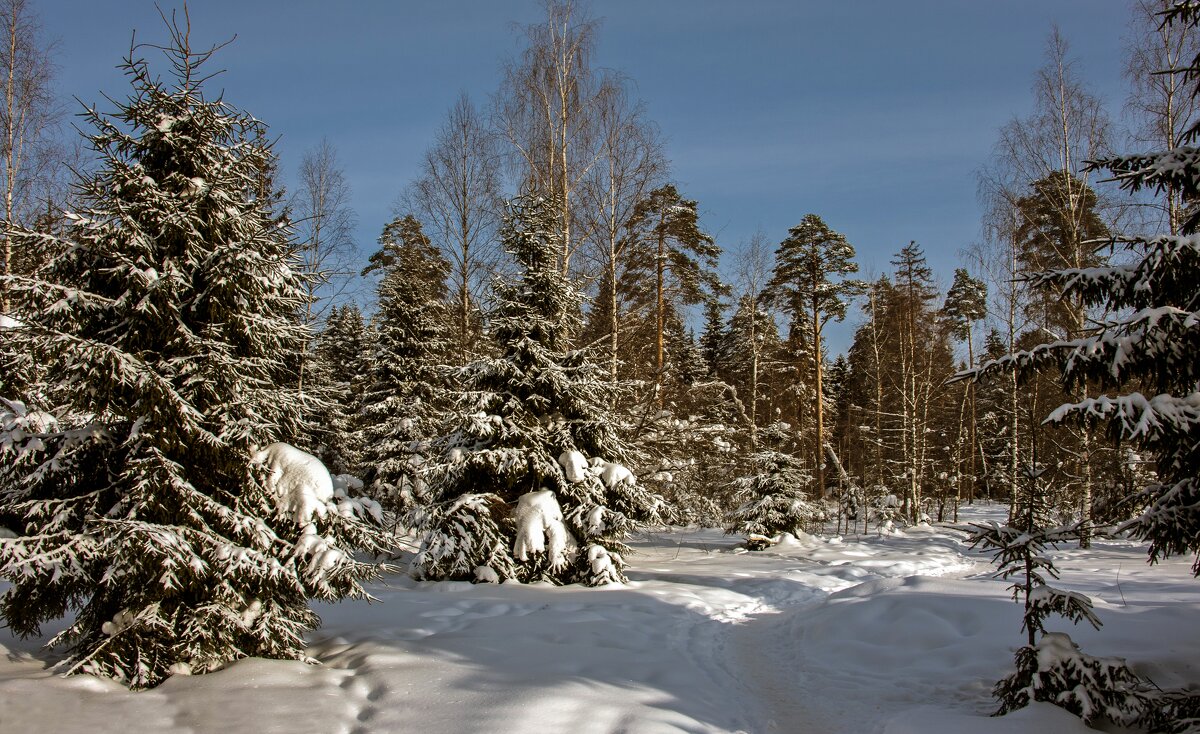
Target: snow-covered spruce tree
528, 483
774, 499
339, 372
1142, 359
164, 314
689, 453
404, 399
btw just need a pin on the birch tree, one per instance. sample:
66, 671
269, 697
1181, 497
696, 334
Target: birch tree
28, 116
547, 109
457, 198
630, 162
324, 240
1043, 156
1160, 106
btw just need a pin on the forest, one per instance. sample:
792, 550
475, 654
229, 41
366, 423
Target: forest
217, 415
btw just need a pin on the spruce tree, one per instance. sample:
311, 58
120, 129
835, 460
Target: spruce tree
1140, 364
747, 351
1141, 359
165, 315
774, 497
530, 482
339, 371
713, 335
404, 399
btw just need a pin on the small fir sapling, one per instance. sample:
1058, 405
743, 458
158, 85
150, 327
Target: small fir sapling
1050, 667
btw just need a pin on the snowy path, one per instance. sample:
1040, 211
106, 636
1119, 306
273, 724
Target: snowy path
896, 634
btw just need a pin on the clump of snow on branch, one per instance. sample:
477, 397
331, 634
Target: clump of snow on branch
300, 482
574, 465
540, 529
605, 565
303, 487
20, 428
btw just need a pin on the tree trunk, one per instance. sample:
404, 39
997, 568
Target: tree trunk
660, 310
818, 385
973, 419
11, 161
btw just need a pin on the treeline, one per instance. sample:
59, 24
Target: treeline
703, 369
706, 367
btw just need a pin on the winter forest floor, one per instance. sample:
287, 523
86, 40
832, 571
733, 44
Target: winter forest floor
895, 633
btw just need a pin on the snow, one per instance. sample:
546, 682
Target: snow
195, 186
899, 634
300, 482
577, 468
486, 575
540, 528
613, 474
574, 465
8, 322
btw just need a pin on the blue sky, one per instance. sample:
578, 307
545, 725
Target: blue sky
874, 115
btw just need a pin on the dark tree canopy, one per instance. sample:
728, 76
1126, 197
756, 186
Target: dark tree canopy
164, 316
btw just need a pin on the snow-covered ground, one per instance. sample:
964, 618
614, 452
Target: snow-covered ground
894, 634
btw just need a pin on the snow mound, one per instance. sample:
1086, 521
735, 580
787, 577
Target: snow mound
486, 575
300, 482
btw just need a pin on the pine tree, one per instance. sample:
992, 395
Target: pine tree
164, 315
404, 400
809, 282
1053, 234
530, 482
679, 257
965, 306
